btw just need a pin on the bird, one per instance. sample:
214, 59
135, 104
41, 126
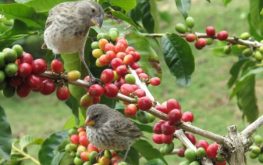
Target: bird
67, 25
108, 129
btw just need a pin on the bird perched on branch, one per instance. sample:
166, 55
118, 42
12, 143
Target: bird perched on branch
109, 129
67, 25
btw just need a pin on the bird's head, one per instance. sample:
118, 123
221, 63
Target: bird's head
97, 115
94, 11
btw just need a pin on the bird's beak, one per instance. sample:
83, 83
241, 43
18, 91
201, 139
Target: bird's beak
89, 122
97, 21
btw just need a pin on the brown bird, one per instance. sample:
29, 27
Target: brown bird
109, 129
67, 25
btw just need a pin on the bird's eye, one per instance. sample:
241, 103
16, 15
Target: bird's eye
93, 10
95, 117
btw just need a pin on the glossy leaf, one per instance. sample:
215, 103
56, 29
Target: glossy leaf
226, 2
155, 162
41, 6
150, 153
235, 71
125, 18
28, 140
178, 57
133, 157
143, 13
73, 104
5, 136
126, 5
255, 19
50, 145
183, 6
246, 98
23, 13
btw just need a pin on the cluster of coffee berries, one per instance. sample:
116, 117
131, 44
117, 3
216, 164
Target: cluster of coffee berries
204, 149
164, 130
206, 39
84, 153
256, 150
20, 73
120, 59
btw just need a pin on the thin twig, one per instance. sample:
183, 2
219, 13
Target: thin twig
250, 129
232, 40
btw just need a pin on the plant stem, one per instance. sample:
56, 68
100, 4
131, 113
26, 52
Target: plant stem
25, 155
250, 129
231, 40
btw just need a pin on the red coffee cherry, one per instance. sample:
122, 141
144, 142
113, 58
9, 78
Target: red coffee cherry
57, 66
144, 103
210, 31
223, 35
190, 37
63, 93
200, 43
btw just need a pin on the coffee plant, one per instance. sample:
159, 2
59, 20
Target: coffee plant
123, 56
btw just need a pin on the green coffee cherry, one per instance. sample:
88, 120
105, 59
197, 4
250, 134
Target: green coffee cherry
253, 155
255, 149
130, 79
260, 158
18, 49
11, 69
10, 55
247, 52
245, 36
181, 28
77, 161
114, 34
227, 49
167, 148
258, 139
209, 41
190, 154
258, 56
9, 91
95, 45
200, 152
194, 163
190, 22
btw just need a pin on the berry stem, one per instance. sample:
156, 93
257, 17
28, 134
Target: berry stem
181, 136
26, 156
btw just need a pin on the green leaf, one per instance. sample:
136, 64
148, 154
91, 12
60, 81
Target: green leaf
5, 136
51, 144
239, 85
127, 5
133, 157
235, 70
23, 13
73, 104
125, 18
226, 2
147, 150
155, 162
143, 12
40, 5
28, 140
57, 158
183, 6
178, 57
255, 19
246, 98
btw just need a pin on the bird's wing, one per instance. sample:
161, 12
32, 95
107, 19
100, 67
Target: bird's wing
57, 10
124, 127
